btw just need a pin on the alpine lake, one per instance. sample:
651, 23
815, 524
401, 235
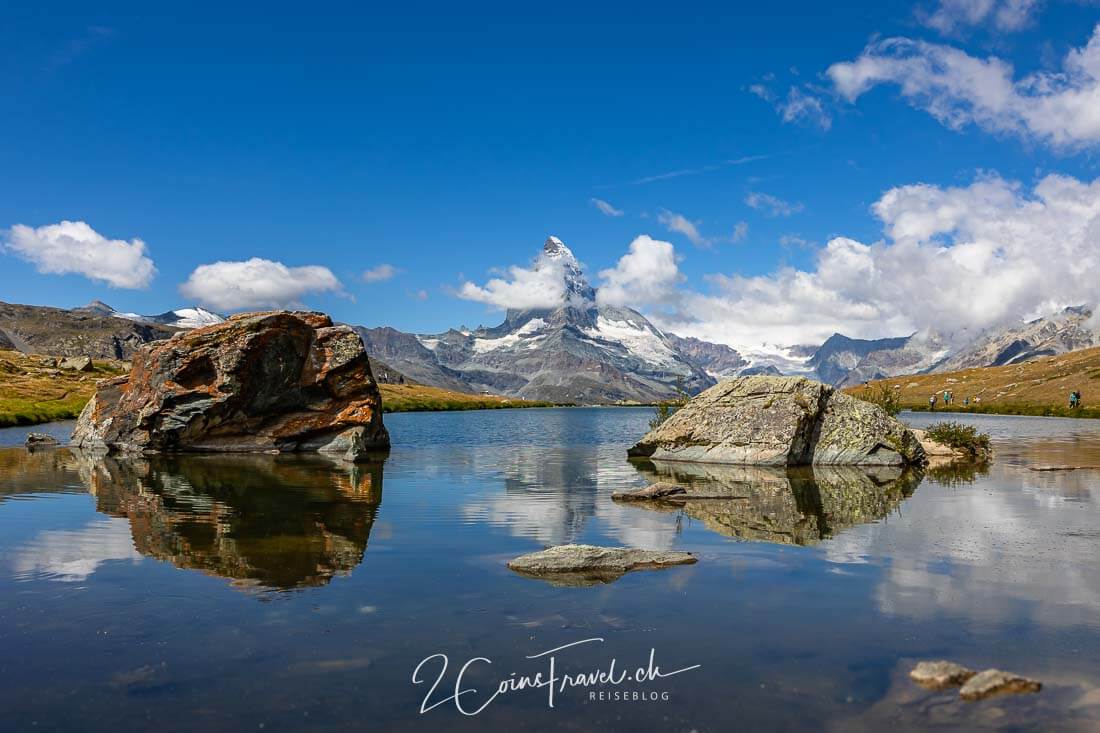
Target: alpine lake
283, 593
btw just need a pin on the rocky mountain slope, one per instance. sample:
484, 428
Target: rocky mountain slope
581, 351
60, 332
843, 361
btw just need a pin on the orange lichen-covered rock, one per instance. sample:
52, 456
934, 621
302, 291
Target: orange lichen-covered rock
276, 381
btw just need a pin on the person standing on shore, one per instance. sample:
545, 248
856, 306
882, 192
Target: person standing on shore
932, 402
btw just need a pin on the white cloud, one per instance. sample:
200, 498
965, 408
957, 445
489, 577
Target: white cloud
798, 106
256, 283
540, 286
380, 273
680, 224
73, 247
606, 208
951, 16
740, 231
647, 274
771, 205
953, 260
1059, 108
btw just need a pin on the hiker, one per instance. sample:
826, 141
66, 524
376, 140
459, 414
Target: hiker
932, 402
966, 402
1074, 400
946, 397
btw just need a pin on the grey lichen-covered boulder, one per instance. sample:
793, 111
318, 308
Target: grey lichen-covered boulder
780, 421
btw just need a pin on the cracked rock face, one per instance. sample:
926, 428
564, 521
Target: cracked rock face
259, 382
780, 421
591, 565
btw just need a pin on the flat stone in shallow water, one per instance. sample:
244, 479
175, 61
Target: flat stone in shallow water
40, 440
590, 565
996, 682
940, 674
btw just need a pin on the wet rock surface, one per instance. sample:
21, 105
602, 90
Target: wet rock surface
780, 421
259, 382
592, 565
997, 682
36, 441
940, 675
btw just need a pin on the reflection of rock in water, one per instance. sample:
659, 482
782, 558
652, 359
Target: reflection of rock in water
799, 506
276, 522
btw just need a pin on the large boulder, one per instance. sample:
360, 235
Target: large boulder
780, 421
277, 381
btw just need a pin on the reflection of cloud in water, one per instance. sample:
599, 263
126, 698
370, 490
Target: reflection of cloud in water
550, 494
1011, 544
73, 555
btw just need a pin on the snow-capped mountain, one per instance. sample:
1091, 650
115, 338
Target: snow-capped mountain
580, 351
182, 318
844, 361
1068, 330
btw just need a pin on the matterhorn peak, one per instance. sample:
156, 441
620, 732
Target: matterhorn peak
554, 247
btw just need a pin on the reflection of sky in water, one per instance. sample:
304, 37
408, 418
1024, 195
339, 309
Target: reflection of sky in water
1001, 571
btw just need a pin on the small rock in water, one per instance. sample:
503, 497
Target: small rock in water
590, 565
40, 440
996, 682
1061, 468
940, 674
656, 491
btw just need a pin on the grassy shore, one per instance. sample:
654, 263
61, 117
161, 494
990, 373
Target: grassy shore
34, 391
419, 398
1040, 387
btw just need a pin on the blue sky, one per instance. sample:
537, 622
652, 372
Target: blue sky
445, 141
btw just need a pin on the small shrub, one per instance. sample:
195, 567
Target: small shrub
882, 395
961, 437
664, 410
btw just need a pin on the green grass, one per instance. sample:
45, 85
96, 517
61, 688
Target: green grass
1014, 409
15, 411
418, 398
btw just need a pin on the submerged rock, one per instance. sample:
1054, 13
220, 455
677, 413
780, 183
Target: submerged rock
996, 682
40, 440
589, 565
259, 382
780, 421
940, 675
658, 490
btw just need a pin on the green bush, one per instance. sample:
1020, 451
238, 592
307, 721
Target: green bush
961, 437
882, 395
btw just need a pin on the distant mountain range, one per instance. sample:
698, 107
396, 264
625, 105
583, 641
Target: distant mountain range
580, 352
183, 318
586, 352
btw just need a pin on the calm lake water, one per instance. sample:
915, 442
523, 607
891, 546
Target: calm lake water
285, 594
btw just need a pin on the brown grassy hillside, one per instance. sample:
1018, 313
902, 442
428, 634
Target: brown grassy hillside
32, 390
1039, 387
